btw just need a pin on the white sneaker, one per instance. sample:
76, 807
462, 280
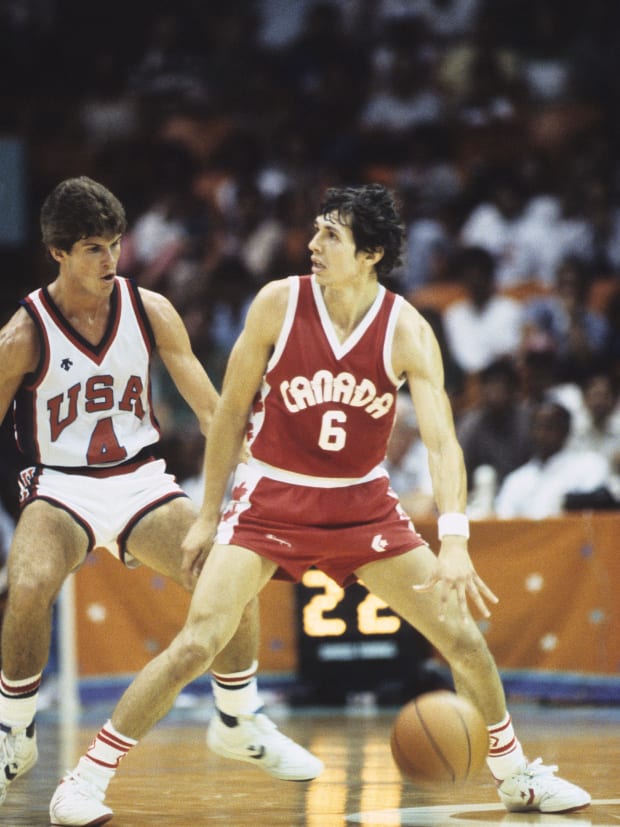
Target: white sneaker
256, 739
78, 803
535, 787
18, 754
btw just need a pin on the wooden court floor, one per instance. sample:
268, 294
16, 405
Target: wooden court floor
172, 779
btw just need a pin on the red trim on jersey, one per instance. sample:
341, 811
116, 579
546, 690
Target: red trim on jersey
141, 315
27, 391
146, 329
96, 353
44, 356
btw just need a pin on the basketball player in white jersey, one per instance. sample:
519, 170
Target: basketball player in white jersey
311, 382
75, 362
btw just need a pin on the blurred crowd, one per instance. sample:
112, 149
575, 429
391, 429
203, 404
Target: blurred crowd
495, 121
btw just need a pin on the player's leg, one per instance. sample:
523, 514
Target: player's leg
217, 604
231, 578
461, 644
239, 729
217, 611
521, 785
156, 541
47, 545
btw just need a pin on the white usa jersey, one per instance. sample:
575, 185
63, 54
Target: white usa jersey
88, 406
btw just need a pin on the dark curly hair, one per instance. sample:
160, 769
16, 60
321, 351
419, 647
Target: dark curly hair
372, 214
80, 208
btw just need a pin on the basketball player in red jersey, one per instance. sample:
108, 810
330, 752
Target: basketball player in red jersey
75, 359
312, 382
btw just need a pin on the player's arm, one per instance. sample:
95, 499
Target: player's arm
246, 366
19, 355
417, 357
174, 347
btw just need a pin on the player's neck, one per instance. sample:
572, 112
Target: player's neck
347, 306
86, 313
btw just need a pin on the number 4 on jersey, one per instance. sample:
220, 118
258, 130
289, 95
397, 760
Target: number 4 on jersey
103, 445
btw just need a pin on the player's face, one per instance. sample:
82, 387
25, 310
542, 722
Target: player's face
90, 264
334, 259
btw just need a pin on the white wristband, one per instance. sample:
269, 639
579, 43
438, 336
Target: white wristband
453, 523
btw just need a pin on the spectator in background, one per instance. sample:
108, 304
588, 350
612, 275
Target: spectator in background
484, 325
498, 224
603, 213
556, 227
611, 356
577, 333
403, 94
229, 292
496, 430
446, 19
596, 426
406, 100
539, 488
172, 228
430, 185
407, 462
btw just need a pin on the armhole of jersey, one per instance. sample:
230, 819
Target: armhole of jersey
141, 314
33, 379
389, 342
293, 296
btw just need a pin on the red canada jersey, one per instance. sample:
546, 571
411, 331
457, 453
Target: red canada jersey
326, 408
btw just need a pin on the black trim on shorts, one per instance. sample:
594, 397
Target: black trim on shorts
75, 517
123, 536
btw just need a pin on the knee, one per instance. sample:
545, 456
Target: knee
197, 645
33, 589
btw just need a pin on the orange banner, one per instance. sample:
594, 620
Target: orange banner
558, 582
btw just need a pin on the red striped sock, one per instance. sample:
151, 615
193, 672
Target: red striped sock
236, 693
104, 755
18, 700
505, 751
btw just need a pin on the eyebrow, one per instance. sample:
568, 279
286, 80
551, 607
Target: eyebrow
91, 242
329, 223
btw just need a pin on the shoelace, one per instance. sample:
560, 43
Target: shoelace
82, 787
536, 768
7, 751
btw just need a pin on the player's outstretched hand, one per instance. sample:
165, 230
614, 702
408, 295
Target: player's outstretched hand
194, 549
455, 572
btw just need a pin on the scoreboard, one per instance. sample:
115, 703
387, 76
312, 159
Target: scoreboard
350, 641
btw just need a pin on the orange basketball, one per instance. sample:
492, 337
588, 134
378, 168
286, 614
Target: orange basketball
439, 738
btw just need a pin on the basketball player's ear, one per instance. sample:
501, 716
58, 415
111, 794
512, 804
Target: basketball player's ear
56, 253
375, 256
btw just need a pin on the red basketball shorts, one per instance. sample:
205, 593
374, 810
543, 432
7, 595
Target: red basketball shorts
338, 530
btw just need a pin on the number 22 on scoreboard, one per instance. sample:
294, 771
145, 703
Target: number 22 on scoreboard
369, 621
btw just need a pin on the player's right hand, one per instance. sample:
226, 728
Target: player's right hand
195, 548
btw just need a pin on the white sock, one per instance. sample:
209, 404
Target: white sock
236, 693
18, 700
104, 755
505, 751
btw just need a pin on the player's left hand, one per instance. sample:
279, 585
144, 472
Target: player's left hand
455, 572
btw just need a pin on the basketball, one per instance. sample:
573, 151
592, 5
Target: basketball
439, 738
